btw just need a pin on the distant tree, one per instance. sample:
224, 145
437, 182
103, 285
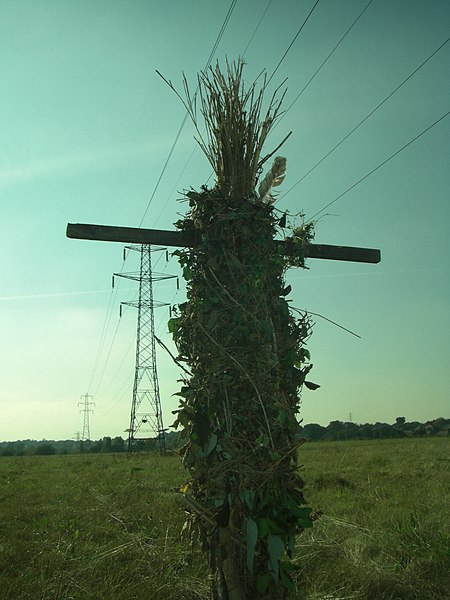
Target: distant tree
45, 449
334, 430
419, 429
96, 447
366, 431
106, 444
314, 432
118, 444
350, 431
399, 421
383, 430
7, 452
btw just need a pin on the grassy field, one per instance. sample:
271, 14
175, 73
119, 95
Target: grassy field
97, 527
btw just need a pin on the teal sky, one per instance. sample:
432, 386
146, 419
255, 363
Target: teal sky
86, 126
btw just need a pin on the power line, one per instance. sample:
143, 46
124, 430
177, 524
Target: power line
275, 70
119, 394
380, 165
183, 123
221, 32
292, 43
107, 357
196, 146
117, 370
256, 28
326, 60
365, 118
102, 339
105, 328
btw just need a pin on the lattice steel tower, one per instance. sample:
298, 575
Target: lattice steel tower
86, 404
146, 414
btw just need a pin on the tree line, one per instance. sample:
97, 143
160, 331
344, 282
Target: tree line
347, 430
312, 432
106, 444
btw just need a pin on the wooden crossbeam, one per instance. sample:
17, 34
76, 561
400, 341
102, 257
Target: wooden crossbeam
161, 237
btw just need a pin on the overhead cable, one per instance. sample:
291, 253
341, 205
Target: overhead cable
183, 123
326, 60
102, 338
365, 118
256, 29
380, 165
292, 42
195, 147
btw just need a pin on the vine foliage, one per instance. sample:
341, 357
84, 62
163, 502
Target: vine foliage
244, 354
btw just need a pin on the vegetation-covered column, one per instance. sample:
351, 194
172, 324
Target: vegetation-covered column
245, 356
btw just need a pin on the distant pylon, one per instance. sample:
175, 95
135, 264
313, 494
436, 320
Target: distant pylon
146, 413
86, 404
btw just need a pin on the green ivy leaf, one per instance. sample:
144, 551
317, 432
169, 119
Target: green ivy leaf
286, 580
311, 386
304, 522
263, 527
282, 416
275, 548
248, 497
263, 582
173, 324
211, 444
252, 538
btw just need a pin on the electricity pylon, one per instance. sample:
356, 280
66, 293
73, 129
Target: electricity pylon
146, 414
86, 404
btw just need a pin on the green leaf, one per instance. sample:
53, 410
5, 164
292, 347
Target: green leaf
234, 260
263, 582
211, 444
291, 546
282, 416
268, 526
173, 324
262, 440
296, 509
263, 527
252, 538
275, 548
187, 273
267, 330
311, 386
304, 522
288, 566
286, 580
248, 497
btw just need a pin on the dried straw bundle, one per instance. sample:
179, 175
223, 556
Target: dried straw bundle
235, 131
